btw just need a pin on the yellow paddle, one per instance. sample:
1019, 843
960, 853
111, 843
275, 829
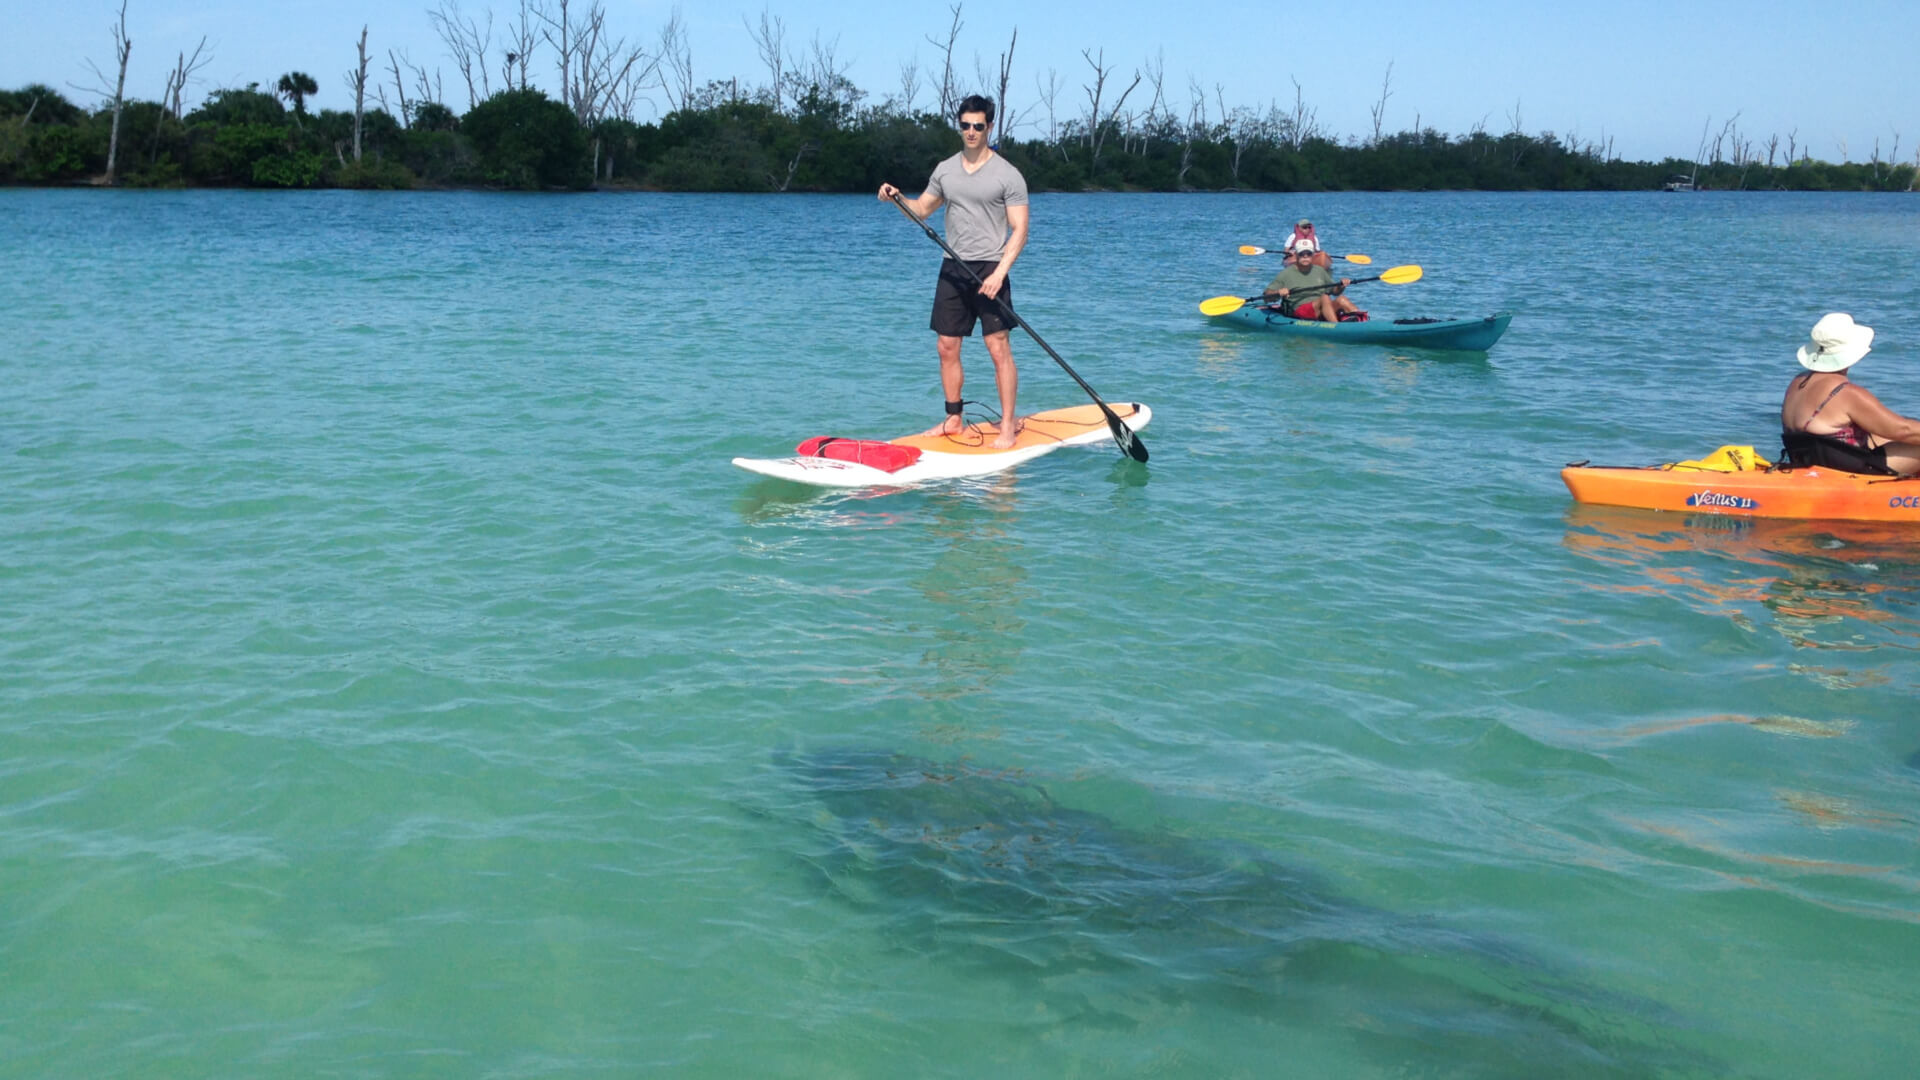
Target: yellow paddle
1227, 305
1357, 260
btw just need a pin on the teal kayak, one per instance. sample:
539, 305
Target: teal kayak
1475, 334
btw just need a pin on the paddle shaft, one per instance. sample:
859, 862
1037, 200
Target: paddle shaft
1227, 305
1310, 292
1356, 259
1122, 434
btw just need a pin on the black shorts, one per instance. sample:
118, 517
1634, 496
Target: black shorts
957, 302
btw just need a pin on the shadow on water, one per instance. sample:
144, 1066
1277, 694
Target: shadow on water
1825, 584
1128, 473
1463, 359
983, 873
768, 499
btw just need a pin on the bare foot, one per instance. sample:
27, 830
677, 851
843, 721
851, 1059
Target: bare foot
952, 425
1009, 433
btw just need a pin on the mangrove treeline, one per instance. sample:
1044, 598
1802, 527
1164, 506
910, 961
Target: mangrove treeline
522, 139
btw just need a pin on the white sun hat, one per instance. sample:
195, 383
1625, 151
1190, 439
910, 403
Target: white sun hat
1838, 343
1304, 243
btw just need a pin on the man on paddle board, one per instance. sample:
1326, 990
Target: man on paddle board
986, 201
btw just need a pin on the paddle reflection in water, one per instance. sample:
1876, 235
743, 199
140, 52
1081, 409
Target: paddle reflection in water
1841, 585
1089, 922
976, 587
1221, 357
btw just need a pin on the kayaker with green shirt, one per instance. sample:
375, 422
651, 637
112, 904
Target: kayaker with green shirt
986, 201
1306, 291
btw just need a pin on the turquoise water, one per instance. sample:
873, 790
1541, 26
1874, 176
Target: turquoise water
396, 679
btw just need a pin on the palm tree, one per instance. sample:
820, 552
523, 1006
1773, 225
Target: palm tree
295, 86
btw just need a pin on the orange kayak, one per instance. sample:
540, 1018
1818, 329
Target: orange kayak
1777, 493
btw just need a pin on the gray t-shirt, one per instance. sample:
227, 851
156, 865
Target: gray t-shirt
977, 204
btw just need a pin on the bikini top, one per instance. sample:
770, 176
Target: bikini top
1852, 434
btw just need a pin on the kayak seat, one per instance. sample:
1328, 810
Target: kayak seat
1802, 449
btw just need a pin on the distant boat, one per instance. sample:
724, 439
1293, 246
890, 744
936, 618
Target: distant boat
1678, 182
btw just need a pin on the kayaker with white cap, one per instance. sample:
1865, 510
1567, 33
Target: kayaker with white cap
1828, 420
1304, 290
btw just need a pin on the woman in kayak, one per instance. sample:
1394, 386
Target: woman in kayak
1304, 246
1829, 421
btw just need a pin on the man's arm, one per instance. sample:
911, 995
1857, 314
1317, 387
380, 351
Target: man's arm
926, 204
1017, 217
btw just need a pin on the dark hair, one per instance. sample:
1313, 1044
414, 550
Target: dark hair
974, 103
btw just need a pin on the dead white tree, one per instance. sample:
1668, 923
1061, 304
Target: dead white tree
523, 37
1517, 143
1727, 131
1196, 126
909, 84
1097, 127
949, 94
558, 32
676, 62
1302, 122
1155, 70
602, 68
823, 71
122, 48
183, 69
357, 82
1240, 126
399, 88
1006, 77
427, 85
1700, 152
1049, 92
769, 40
467, 43
170, 97
1380, 107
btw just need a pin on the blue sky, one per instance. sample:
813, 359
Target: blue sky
1648, 75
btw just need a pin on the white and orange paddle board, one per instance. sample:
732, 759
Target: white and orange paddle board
969, 452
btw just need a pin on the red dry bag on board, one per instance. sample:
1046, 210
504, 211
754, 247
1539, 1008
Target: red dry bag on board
872, 453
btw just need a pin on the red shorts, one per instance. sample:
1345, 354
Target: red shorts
1307, 310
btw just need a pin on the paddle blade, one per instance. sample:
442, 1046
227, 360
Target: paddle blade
1222, 305
1249, 249
1402, 275
1130, 443
1358, 260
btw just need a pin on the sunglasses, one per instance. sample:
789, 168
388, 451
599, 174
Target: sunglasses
965, 126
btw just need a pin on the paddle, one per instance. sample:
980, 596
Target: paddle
1130, 443
1227, 305
1357, 260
